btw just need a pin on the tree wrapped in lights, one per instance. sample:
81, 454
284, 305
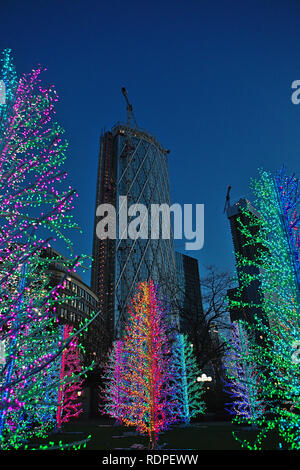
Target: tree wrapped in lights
30, 407
62, 382
242, 383
33, 213
45, 411
70, 389
278, 325
45, 382
148, 390
188, 391
112, 394
288, 191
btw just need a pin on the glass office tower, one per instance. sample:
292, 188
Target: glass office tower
189, 293
132, 163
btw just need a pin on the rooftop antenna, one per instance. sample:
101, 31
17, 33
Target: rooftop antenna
227, 201
130, 114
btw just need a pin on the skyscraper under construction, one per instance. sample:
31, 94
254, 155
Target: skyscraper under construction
239, 215
132, 163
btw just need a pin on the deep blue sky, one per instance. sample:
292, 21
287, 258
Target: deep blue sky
210, 79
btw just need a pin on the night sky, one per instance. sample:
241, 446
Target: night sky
210, 79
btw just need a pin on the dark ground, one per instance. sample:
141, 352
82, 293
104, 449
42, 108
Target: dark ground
197, 436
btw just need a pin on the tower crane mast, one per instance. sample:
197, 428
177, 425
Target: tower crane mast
130, 114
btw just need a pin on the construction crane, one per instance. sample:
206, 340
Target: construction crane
130, 114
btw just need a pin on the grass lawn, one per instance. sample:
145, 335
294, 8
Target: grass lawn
199, 436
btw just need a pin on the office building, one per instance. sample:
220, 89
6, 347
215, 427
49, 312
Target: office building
80, 303
188, 293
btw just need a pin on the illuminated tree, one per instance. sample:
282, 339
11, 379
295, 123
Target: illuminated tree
30, 405
112, 393
288, 191
70, 389
33, 214
45, 411
278, 325
242, 378
188, 391
149, 404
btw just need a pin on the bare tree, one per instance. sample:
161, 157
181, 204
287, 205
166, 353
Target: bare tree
202, 315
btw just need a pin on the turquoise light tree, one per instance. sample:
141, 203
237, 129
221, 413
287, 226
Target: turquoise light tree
188, 390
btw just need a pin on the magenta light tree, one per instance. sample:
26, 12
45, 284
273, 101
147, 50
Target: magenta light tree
35, 212
71, 381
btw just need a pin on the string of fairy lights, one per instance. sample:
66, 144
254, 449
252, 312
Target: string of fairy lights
151, 374
41, 372
151, 377
276, 386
